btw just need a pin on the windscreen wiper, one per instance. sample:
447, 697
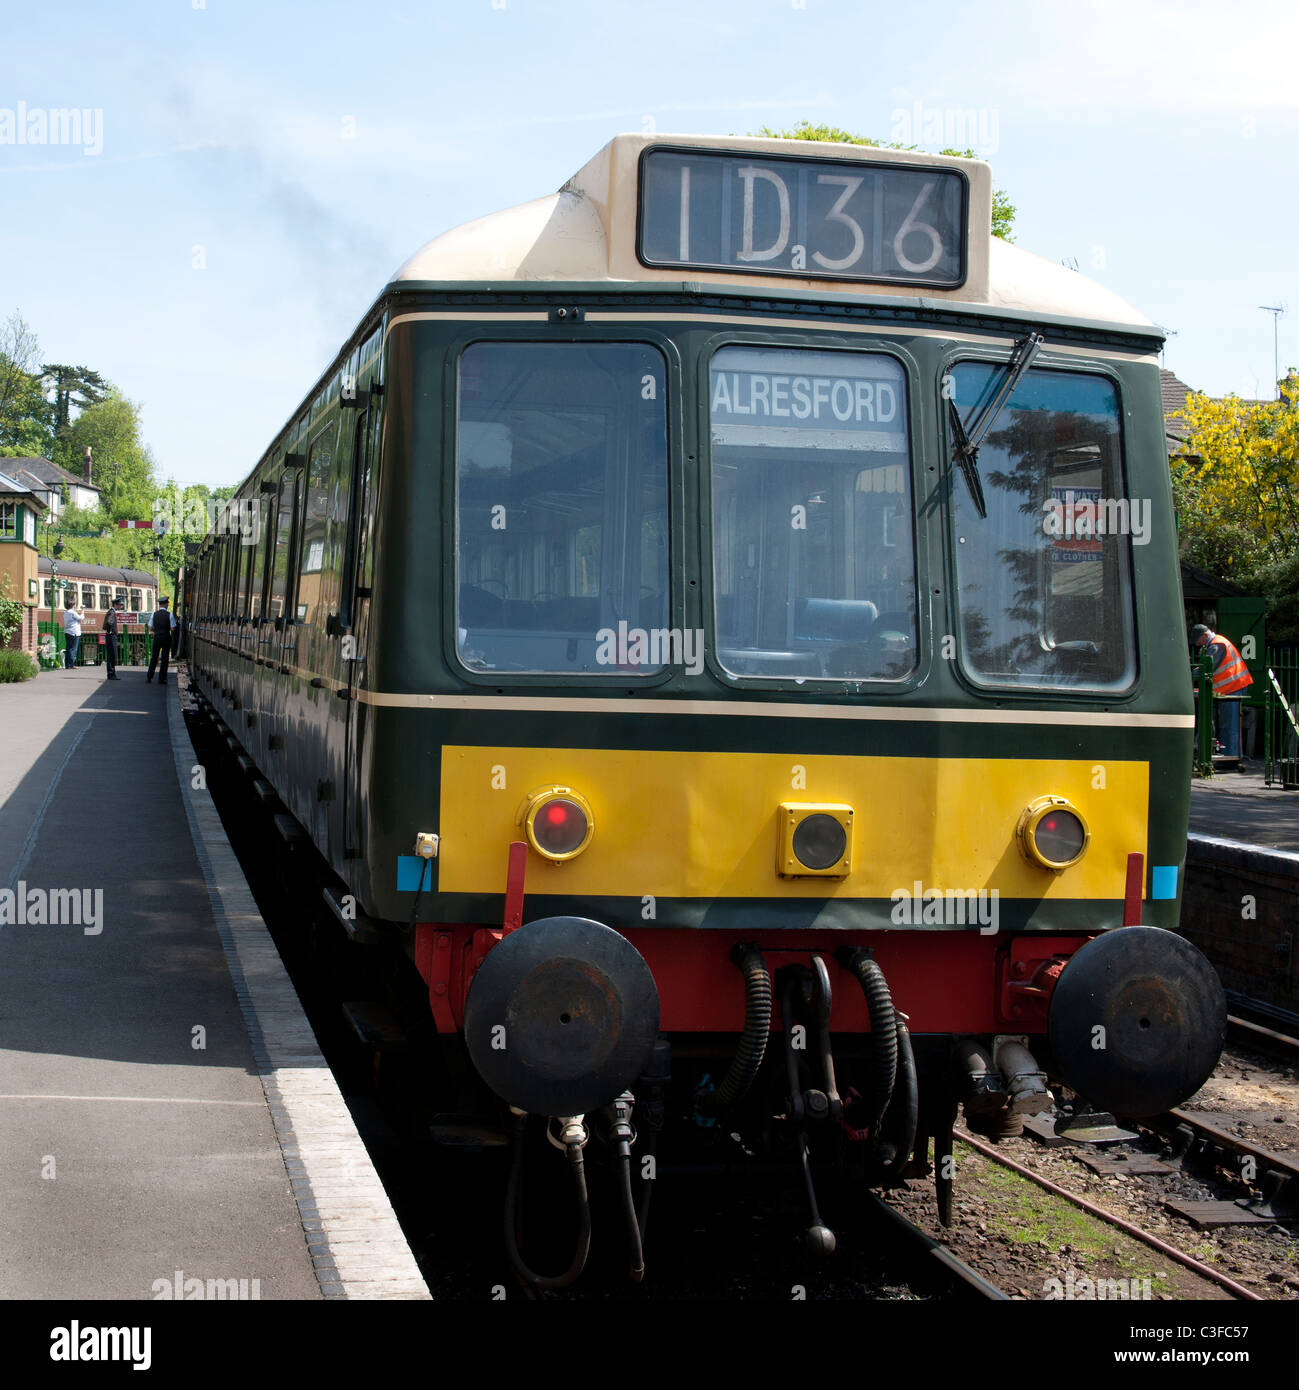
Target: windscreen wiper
967, 441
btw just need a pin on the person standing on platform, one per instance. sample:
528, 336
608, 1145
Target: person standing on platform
1230, 674
112, 620
1230, 677
162, 625
72, 619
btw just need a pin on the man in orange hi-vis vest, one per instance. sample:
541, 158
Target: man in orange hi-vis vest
1230, 674
1230, 677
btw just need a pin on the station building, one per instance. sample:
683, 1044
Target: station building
22, 512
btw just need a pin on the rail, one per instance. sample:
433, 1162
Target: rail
1280, 724
133, 648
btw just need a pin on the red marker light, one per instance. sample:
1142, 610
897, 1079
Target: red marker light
560, 827
1060, 837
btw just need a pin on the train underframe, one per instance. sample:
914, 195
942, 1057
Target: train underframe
842, 1054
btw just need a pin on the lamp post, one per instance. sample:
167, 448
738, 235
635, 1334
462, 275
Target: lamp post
55, 551
1276, 310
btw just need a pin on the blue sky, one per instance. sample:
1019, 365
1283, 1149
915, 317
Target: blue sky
265, 167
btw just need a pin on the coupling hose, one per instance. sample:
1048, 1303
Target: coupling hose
573, 1150
753, 1042
884, 1030
910, 1102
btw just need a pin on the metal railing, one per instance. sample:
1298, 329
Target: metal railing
1281, 718
133, 648
1203, 678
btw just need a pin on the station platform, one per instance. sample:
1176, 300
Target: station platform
1242, 879
1241, 806
168, 1126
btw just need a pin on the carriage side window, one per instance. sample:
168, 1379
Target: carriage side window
1044, 581
247, 560
105, 596
49, 593
264, 544
314, 587
282, 576
228, 578
136, 605
813, 569
239, 573
561, 512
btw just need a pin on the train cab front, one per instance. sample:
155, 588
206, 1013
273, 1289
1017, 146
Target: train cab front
837, 1008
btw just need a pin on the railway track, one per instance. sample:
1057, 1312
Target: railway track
1246, 1032
1276, 1175
1110, 1218
965, 1281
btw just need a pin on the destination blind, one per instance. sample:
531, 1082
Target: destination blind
807, 400
774, 215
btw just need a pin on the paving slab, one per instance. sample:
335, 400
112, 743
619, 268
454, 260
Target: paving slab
1241, 806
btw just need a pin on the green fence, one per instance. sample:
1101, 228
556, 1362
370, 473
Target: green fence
1281, 717
1269, 716
1202, 676
133, 648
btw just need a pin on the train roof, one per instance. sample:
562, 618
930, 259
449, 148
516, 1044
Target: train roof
76, 569
586, 233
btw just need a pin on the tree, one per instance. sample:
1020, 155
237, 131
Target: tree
1003, 211
73, 386
1235, 483
24, 412
124, 467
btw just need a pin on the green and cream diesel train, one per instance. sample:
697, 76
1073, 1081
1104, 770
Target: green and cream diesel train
723, 621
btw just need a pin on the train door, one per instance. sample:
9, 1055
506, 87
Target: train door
263, 617
284, 589
354, 618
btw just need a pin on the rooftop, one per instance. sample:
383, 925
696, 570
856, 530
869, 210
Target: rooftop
45, 474
1175, 392
587, 232
75, 569
16, 487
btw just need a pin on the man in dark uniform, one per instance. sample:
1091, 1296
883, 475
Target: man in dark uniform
161, 641
112, 620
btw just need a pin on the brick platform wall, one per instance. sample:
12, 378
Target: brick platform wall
24, 639
1255, 956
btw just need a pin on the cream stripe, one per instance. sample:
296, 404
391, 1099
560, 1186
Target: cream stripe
459, 316
773, 710
612, 704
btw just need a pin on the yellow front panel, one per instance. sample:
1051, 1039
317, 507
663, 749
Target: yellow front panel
704, 825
